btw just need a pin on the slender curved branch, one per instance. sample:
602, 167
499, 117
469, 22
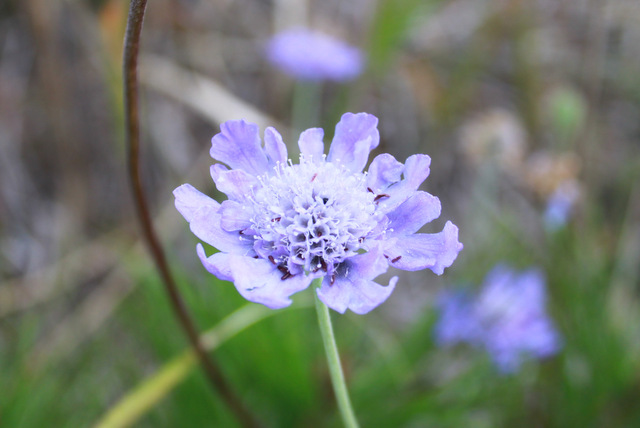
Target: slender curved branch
132, 130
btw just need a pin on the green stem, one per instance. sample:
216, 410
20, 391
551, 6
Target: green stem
306, 106
333, 358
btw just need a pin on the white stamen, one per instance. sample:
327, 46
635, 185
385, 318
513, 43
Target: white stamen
325, 213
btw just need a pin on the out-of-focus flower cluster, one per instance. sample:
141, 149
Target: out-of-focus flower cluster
554, 178
498, 139
508, 318
494, 136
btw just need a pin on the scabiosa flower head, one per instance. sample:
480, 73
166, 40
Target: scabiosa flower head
308, 55
508, 318
285, 224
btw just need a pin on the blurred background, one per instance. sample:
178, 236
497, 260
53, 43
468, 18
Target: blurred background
529, 110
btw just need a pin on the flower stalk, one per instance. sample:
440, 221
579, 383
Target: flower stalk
132, 135
333, 359
306, 105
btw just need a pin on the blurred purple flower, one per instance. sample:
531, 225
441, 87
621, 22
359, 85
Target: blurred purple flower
457, 322
308, 55
507, 317
284, 225
561, 204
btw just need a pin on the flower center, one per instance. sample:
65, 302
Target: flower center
312, 216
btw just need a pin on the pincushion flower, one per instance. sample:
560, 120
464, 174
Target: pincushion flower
508, 318
309, 55
285, 224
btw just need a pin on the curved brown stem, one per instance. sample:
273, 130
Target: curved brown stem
132, 130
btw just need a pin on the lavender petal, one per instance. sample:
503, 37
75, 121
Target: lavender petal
356, 135
353, 286
435, 251
311, 143
235, 183
259, 281
238, 145
205, 224
189, 200
418, 210
416, 170
383, 171
274, 146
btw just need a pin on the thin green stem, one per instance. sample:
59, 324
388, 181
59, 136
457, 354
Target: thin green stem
306, 106
333, 359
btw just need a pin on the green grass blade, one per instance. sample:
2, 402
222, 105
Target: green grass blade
151, 391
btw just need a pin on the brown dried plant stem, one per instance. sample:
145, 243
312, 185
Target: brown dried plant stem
132, 131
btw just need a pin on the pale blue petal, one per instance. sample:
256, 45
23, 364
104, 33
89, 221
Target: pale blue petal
356, 135
412, 214
235, 183
416, 170
353, 286
238, 145
189, 200
234, 216
383, 171
205, 224
259, 281
419, 251
216, 264
311, 143
357, 294
274, 146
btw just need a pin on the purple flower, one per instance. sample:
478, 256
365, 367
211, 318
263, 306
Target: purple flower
508, 317
284, 225
561, 204
457, 322
308, 55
